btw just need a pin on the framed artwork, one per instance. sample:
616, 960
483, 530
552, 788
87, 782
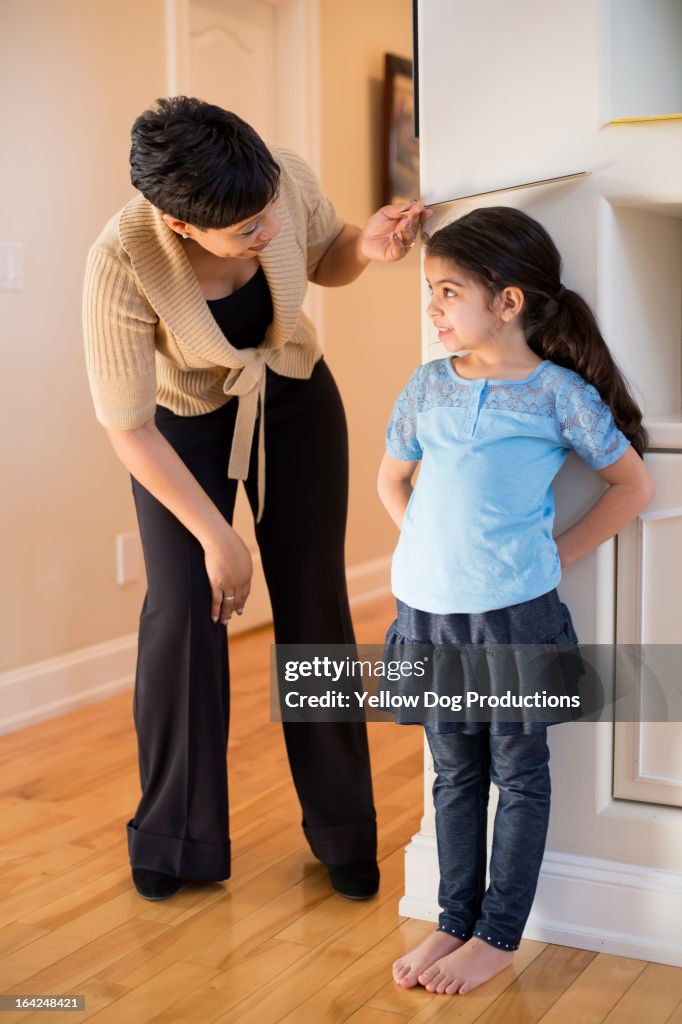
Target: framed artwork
401, 148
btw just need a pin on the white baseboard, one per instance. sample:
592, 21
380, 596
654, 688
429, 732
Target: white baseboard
584, 902
55, 686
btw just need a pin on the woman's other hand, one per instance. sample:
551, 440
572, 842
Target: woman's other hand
148, 456
392, 231
229, 568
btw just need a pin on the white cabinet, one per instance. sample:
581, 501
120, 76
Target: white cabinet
648, 754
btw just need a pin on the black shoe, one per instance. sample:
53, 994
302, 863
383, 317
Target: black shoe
155, 885
358, 880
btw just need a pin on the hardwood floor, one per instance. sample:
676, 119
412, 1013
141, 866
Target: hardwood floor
273, 944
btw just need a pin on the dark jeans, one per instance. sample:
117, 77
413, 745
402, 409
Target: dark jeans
465, 764
181, 703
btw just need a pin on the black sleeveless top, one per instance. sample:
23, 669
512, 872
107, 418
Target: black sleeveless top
245, 315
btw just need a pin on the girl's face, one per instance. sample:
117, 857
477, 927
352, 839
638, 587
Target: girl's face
458, 307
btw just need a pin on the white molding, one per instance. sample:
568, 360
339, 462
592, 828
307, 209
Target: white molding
584, 902
58, 685
177, 47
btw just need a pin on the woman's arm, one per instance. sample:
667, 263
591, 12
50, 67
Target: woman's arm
395, 486
630, 491
153, 462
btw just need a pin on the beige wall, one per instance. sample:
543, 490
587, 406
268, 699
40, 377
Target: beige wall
77, 74
372, 327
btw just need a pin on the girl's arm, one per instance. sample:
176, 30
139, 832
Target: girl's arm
630, 491
155, 464
395, 486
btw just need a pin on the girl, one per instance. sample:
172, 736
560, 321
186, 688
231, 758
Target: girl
476, 562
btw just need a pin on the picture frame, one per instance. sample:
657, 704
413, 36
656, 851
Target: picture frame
401, 148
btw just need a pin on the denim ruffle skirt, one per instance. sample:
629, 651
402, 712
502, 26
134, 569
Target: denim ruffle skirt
518, 661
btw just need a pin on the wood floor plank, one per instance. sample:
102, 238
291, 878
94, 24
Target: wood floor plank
368, 1015
228, 988
45, 891
70, 973
325, 920
230, 930
676, 1016
537, 988
21, 872
98, 995
652, 998
80, 900
345, 994
596, 991
156, 995
14, 936
50, 948
316, 968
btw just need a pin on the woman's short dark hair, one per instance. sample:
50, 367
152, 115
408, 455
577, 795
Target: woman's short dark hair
200, 163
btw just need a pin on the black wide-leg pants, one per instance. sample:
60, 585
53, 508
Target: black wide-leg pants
181, 701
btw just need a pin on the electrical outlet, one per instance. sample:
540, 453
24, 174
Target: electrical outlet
11, 265
128, 557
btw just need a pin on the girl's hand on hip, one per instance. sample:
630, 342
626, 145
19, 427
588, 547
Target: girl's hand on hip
391, 232
229, 568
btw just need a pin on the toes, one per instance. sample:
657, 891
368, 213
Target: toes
453, 988
409, 980
441, 986
405, 974
465, 987
432, 985
428, 974
399, 969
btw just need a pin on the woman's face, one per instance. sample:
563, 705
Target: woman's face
241, 241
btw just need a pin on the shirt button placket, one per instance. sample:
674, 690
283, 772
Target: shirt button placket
476, 390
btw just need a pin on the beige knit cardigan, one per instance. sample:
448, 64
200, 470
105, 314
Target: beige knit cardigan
150, 337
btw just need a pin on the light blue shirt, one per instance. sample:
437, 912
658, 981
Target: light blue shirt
477, 533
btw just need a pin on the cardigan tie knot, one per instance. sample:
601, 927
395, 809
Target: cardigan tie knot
247, 384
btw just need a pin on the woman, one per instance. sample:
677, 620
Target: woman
204, 371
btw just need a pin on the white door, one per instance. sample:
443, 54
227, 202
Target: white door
255, 58
232, 54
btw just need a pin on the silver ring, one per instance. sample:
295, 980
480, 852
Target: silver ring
228, 597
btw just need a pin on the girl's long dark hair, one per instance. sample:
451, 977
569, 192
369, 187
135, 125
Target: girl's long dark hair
500, 246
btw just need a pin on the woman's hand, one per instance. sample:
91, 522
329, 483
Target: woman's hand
148, 456
391, 232
229, 568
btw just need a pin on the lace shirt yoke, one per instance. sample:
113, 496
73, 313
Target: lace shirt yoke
564, 407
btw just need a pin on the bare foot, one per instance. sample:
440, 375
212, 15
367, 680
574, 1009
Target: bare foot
407, 968
467, 967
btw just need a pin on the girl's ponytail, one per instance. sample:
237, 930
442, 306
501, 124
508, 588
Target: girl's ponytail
569, 335
501, 246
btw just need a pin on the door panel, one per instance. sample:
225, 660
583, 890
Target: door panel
648, 755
